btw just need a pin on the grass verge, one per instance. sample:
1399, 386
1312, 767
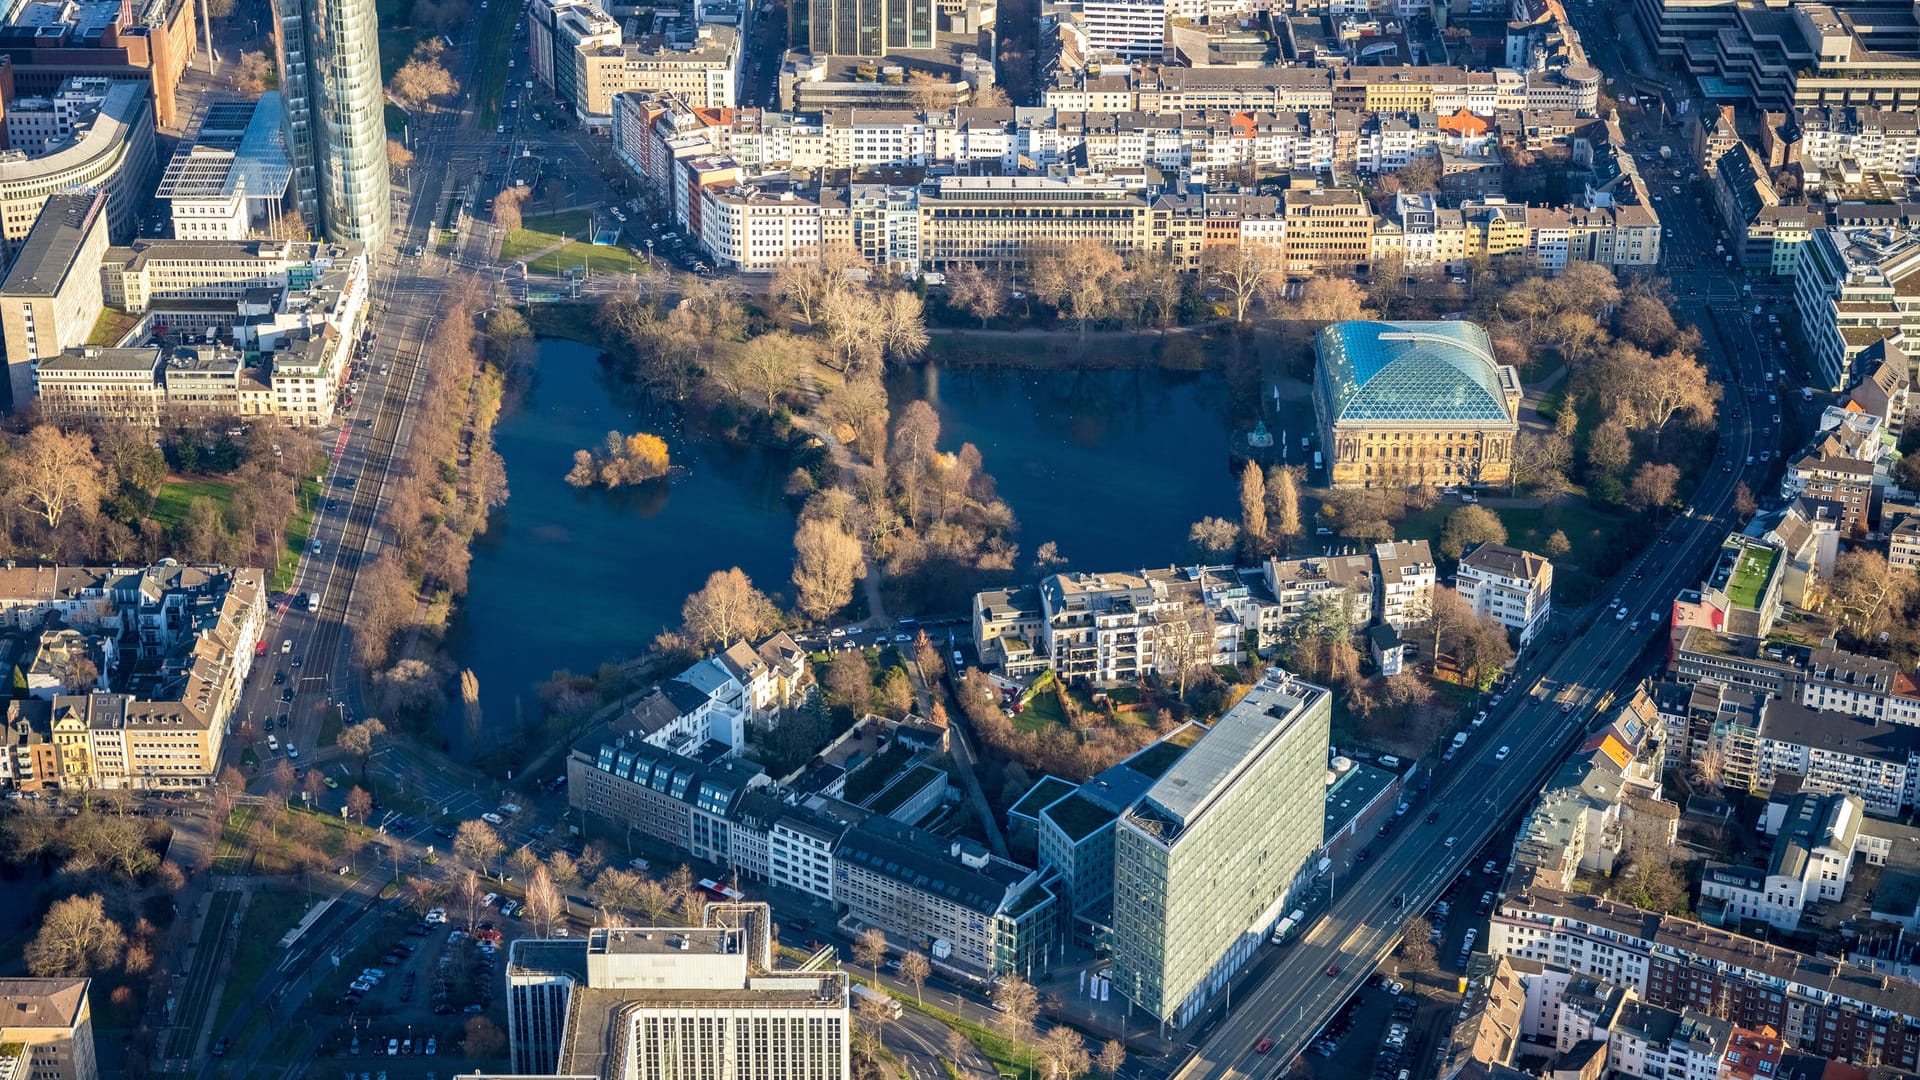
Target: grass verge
299, 527
493, 42
270, 914
999, 1049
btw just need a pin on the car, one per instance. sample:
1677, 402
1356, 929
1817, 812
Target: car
287, 694
902, 638
1501, 754
330, 782
286, 646
1492, 867
406, 1046
293, 752
492, 818
279, 678
393, 1047
220, 1048
487, 900
475, 1010
1396, 988
1566, 706
316, 547
1263, 1046
433, 1045
1333, 971
1451, 840
1433, 816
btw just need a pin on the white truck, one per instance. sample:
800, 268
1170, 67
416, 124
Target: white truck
1289, 926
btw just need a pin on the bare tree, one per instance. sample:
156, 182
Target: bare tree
977, 291
54, 474
914, 967
420, 80
1329, 299
1247, 271
543, 900
770, 365
1283, 499
1416, 944
76, 937
1018, 1003
1112, 1058
1065, 1053
523, 861
1866, 592
827, 563
1215, 536
468, 890
359, 739
476, 842
727, 609
1653, 487
252, 72
359, 804
870, 948
1082, 279
398, 156
903, 325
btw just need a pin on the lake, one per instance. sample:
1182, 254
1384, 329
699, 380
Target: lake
1111, 465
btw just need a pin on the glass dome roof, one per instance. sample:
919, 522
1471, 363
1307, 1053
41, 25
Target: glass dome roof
1417, 371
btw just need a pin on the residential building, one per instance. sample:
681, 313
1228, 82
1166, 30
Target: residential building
1884, 388
1515, 587
1812, 853
1402, 403
50, 298
800, 847
1008, 628
110, 150
1102, 628
1843, 481
584, 55
46, 1029
1585, 818
172, 646
985, 915
1903, 544
1817, 1004
1209, 857
1876, 761
674, 1003
1742, 593
1295, 584
1406, 576
335, 120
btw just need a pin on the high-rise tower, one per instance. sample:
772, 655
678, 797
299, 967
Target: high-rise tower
335, 116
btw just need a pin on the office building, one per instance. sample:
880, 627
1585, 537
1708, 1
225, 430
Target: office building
861, 27
996, 220
1401, 403
982, 914
674, 1003
46, 42
50, 298
1855, 286
46, 1030
336, 129
1127, 29
1513, 586
231, 181
110, 149
1207, 860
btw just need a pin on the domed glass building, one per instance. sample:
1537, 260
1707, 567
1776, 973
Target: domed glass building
1414, 403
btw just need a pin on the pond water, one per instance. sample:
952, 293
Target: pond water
1112, 465
571, 578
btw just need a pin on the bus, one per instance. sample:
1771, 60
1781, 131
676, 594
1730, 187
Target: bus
868, 993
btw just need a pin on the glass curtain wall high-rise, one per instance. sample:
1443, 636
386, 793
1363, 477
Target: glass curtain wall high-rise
861, 27
336, 116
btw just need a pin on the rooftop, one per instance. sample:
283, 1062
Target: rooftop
1423, 371
1080, 817
49, 251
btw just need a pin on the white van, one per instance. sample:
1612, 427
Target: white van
1389, 761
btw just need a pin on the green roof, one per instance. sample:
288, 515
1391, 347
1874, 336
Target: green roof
1155, 760
1079, 817
1751, 575
906, 787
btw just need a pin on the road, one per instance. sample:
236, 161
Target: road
1290, 1000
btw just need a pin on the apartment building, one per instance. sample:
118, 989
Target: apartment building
1605, 798
1840, 480
50, 297
1903, 544
1294, 584
1874, 140
674, 1003
1812, 853
1101, 628
1127, 29
111, 151
1874, 760
172, 645
1007, 630
1817, 1005
1244, 805
46, 1029
1405, 572
1515, 587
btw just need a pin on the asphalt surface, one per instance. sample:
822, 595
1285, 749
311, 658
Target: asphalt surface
1290, 1000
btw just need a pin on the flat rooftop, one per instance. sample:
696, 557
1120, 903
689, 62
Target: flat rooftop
53, 243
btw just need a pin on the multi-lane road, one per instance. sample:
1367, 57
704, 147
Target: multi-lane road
1291, 998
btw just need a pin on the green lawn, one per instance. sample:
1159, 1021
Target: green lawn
544, 231
270, 914
170, 506
1042, 712
1750, 576
596, 259
1590, 531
